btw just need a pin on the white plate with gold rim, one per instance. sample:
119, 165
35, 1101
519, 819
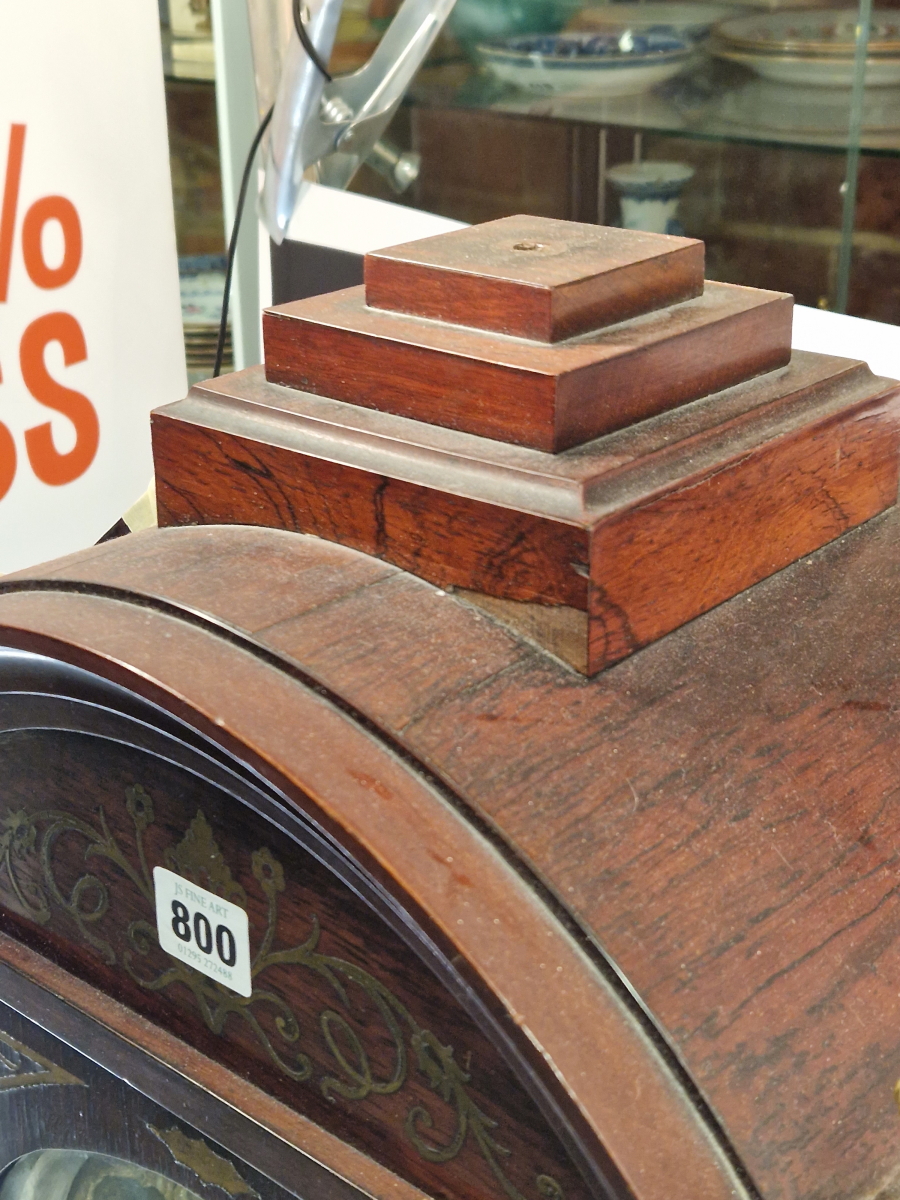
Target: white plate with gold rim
829, 32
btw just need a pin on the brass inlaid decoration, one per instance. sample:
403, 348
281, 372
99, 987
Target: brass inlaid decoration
21, 1067
27, 842
200, 1158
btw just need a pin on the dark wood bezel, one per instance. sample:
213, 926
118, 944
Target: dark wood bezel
122, 1091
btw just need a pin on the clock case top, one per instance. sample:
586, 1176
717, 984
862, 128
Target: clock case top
668, 828
563, 422
643, 905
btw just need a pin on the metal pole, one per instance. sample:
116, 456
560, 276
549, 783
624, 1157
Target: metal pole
854, 134
238, 121
601, 178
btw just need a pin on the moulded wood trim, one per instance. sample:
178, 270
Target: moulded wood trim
290, 1126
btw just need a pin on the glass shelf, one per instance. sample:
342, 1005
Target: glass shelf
781, 191
712, 100
767, 163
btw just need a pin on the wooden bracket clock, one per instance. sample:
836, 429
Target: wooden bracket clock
485, 783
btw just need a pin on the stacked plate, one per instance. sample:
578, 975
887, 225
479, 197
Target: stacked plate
202, 285
200, 342
611, 64
816, 47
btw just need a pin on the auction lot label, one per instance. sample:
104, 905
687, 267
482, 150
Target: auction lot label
203, 930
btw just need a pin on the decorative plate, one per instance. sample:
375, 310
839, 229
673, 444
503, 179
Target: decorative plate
611, 64
826, 32
814, 70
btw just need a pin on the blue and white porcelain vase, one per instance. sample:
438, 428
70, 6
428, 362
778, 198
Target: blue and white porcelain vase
649, 193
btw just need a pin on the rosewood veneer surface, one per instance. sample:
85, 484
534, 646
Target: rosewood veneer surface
717, 812
534, 277
626, 537
527, 392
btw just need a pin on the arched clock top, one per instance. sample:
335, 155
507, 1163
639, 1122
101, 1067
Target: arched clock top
495, 805
343, 1019
393, 944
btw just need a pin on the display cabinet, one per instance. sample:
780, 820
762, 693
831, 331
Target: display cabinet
769, 166
792, 185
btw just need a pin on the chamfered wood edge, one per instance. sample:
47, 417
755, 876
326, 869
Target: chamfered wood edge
540, 312
388, 361
259, 484
429, 470
270, 1115
394, 447
841, 426
580, 1022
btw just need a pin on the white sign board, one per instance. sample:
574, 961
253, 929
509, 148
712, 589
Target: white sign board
90, 318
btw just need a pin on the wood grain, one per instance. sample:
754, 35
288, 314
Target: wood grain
718, 812
533, 277
364, 795
662, 563
643, 529
548, 397
214, 477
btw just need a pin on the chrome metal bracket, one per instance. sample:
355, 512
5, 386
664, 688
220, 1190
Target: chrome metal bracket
335, 126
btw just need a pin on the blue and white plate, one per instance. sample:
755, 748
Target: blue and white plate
608, 64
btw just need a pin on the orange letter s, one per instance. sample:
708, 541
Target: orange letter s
7, 457
48, 464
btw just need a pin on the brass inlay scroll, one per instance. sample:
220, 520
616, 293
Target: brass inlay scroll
27, 842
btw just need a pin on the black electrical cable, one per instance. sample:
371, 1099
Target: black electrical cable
306, 41
232, 245
245, 180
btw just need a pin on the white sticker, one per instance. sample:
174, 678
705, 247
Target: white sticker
203, 930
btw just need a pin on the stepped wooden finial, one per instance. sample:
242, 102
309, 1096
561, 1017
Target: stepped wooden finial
561, 422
